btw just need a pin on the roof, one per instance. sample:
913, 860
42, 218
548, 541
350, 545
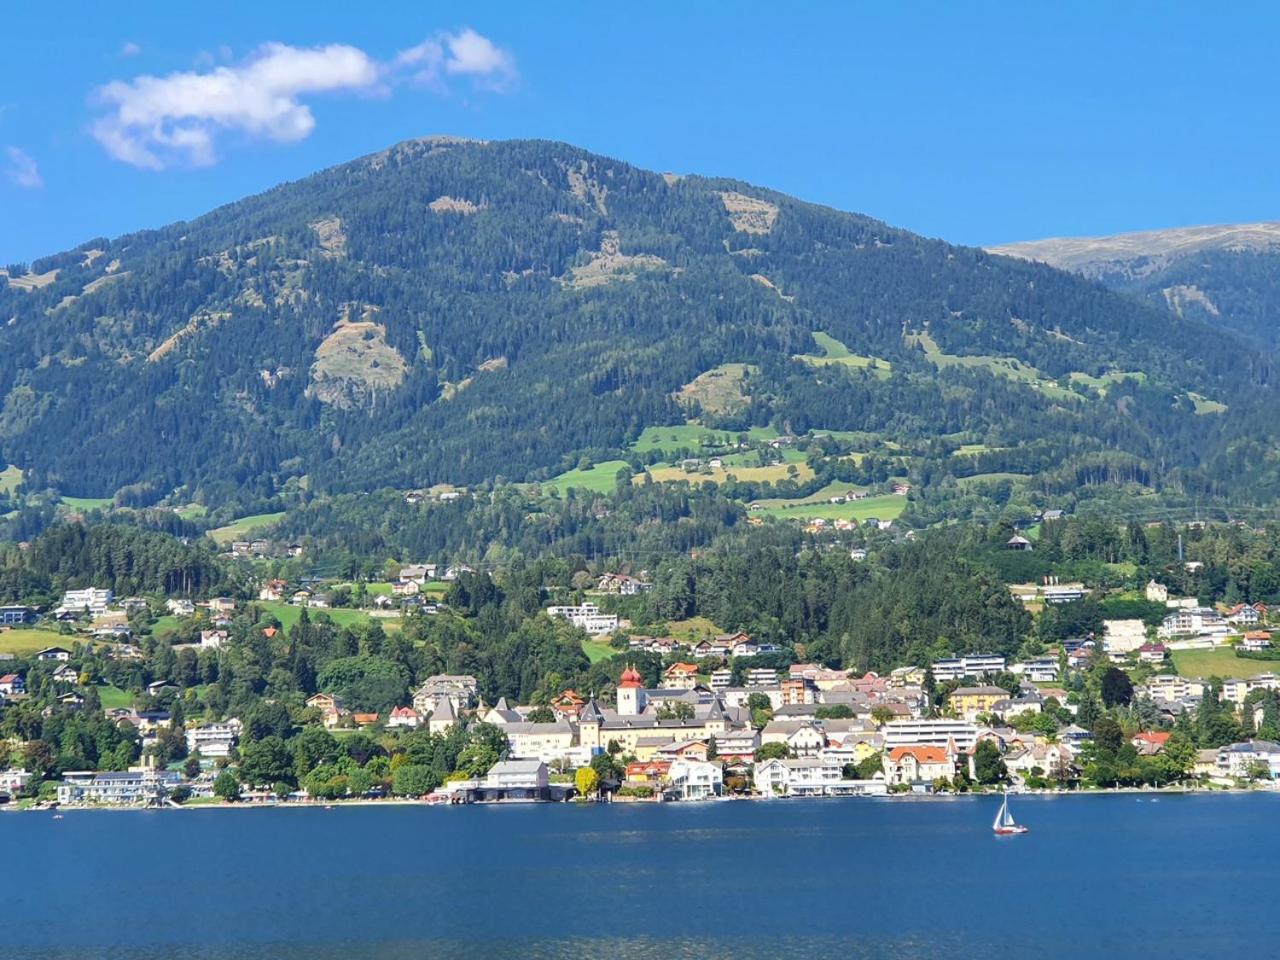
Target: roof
922, 754
979, 692
1156, 737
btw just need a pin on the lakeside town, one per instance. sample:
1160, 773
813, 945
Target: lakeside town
685, 718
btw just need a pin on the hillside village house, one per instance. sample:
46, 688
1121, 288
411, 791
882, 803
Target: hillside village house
462, 691
1246, 614
971, 665
586, 616
1157, 592
94, 600
53, 654
180, 608
623, 585
12, 684
969, 702
1255, 641
682, 675
404, 717
1193, 621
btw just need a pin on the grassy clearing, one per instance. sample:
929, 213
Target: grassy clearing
1218, 662
597, 650
192, 511
835, 352
886, 507
834, 489
26, 640
113, 698
1103, 383
695, 628
773, 473
980, 478
242, 528
10, 477
601, 478
1205, 406
166, 624
1008, 367
83, 504
343, 617
691, 436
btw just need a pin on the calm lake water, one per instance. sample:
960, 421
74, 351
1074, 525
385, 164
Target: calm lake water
1114, 877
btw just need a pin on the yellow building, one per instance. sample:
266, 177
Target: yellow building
968, 702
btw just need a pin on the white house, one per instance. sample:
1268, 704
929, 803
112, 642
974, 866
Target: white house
696, 779
92, 599
214, 739
587, 616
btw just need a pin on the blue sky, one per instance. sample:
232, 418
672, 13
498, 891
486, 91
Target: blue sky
977, 122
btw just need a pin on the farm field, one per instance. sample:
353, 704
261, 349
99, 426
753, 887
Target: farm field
691, 435
888, 506
1218, 662
600, 478
26, 640
836, 488
242, 528
772, 473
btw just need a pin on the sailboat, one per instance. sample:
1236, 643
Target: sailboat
1004, 825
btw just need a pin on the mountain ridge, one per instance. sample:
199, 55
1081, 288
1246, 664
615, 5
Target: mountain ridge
446, 310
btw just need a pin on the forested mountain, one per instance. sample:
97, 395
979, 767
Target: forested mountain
455, 311
1227, 276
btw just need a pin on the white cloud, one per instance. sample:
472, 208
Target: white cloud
157, 122
465, 53
129, 49
23, 170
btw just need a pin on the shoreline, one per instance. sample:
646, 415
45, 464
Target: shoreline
414, 802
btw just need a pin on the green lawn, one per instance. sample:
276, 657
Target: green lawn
242, 528
597, 650
10, 477
85, 504
25, 640
113, 698
835, 352
601, 478
343, 617
885, 507
166, 624
1218, 662
192, 511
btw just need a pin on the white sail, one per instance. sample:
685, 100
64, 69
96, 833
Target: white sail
1001, 815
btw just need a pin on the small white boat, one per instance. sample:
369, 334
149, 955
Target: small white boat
1005, 825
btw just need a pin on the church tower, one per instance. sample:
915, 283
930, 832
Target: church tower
630, 693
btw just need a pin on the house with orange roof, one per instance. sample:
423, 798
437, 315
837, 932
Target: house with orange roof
568, 703
918, 765
365, 719
681, 675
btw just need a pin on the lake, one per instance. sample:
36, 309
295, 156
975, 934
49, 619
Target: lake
1099, 876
